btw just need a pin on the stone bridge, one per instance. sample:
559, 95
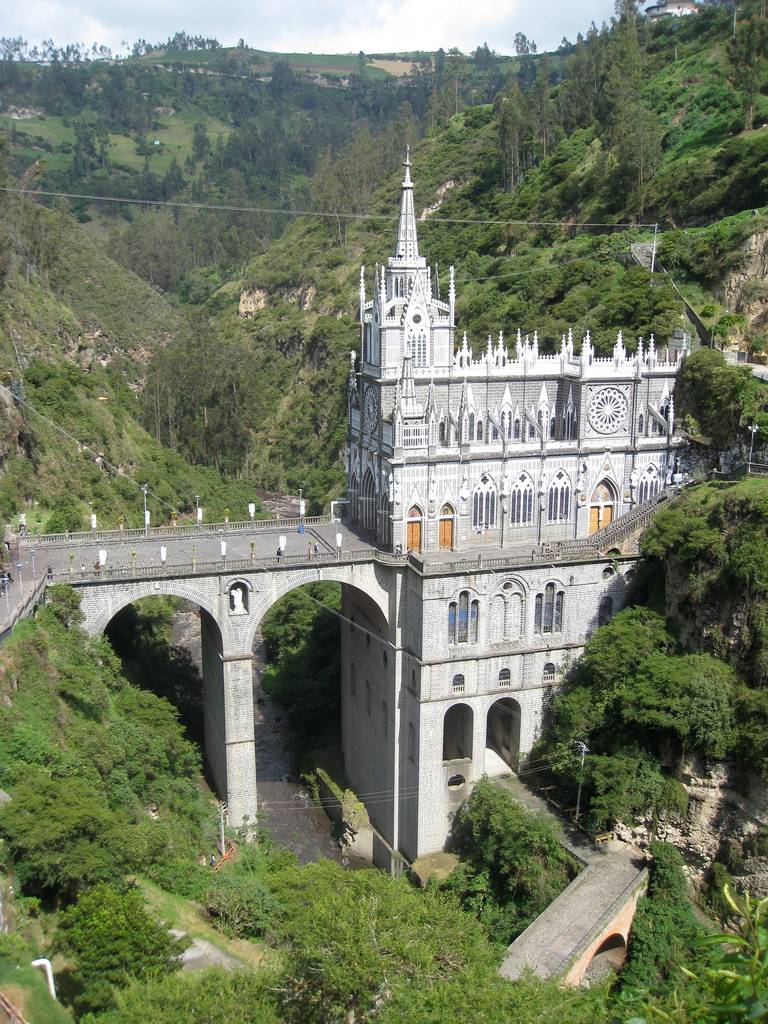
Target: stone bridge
234, 573
233, 576
587, 926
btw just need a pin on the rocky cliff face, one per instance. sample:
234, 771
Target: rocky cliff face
745, 290
726, 807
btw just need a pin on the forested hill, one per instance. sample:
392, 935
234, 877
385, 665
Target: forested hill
533, 176
77, 332
637, 124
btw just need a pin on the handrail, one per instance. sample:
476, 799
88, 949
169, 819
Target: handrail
24, 608
89, 536
227, 566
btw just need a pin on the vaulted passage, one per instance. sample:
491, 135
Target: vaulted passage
457, 733
502, 737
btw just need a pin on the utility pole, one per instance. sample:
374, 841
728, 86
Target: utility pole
753, 430
144, 489
222, 812
653, 253
583, 750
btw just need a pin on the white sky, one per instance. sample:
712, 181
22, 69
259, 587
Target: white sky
333, 26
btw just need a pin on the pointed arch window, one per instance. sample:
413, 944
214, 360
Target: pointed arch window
559, 505
641, 424
649, 484
521, 506
517, 428
471, 436
548, 610
541, 419
552, 426
484, 504
479, 434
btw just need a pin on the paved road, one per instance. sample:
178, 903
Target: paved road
77, 557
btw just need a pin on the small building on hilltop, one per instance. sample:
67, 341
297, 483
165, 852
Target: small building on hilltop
671, 8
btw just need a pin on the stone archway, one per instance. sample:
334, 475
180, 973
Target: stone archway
502, 736
602, 506
608, 959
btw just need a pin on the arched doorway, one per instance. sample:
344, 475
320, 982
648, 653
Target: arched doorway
414, 528
457, 733
446, 527
602, 506
502, 737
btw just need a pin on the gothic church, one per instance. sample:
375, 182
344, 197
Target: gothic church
477, 459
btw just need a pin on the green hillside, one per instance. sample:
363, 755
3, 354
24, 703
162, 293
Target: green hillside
543, 154
77, 334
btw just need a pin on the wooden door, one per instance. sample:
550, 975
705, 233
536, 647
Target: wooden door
594, 518
607, 516
446, 534
414, 535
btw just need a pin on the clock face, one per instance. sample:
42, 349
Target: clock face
370, 409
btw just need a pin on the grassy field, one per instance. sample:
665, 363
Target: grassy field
52, 139
188, 917
332, 64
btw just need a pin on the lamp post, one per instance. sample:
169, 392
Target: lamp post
198, 510
583, 750
144, 489
32, 553
753, 430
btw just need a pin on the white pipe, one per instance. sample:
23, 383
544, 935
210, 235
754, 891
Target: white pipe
48, 969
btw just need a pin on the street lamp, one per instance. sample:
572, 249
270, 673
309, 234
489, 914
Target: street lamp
144, 489
198, 510
753, 430
583, 750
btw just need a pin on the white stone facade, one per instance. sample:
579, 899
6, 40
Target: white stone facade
492, 470
456, 457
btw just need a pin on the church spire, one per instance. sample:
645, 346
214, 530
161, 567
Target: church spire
407, 244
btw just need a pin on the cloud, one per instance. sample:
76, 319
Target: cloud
334, 26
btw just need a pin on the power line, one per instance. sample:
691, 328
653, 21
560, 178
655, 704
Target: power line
343, 215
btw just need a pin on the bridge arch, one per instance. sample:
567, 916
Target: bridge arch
100, 603
364, 579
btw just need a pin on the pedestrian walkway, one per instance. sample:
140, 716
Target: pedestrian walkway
602, 894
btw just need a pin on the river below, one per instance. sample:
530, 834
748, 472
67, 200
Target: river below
285, 806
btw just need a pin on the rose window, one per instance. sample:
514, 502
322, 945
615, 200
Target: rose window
608, 410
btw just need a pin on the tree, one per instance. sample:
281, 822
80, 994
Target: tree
524, 46
512, 862
240, 903
113, 939
62, 837
64, 602
664, 927
635, 129
214, 996
748, 54
200, 141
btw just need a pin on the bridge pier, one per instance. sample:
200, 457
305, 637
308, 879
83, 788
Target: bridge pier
239, 747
